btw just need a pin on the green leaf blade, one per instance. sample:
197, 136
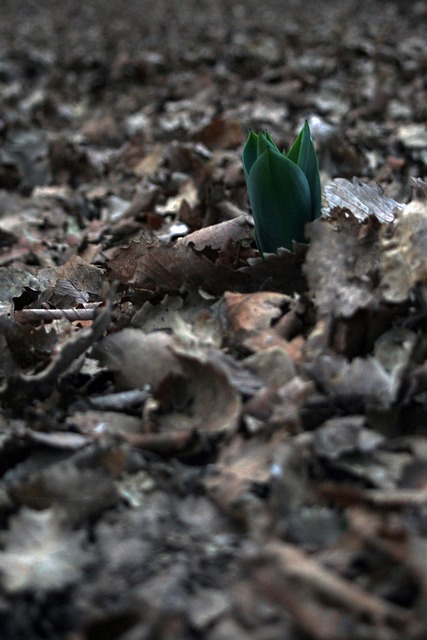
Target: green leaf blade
280, 198
250, 153
303, 154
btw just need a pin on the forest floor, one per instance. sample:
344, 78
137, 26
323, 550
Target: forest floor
195, 442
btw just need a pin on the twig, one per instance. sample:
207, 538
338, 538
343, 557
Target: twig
34, 316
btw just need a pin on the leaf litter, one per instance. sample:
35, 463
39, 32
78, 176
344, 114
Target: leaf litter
197, 442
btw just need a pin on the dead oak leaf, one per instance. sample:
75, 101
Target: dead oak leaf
74, 277
41, 553
281, 271
208, 258
193, 260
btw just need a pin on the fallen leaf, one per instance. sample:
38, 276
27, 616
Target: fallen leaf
81, 493
340, 436
138, 359
41, 553
191, 385
154, 266
360, 199
244, 316
220, 133
340, 265
363, 382
403, 259
19, 385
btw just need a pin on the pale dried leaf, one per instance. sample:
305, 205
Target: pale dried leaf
340, 265
138, 359
219, 235
360, 199
403, 256
41, 553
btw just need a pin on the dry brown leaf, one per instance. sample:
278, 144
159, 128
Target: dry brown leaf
187, 193
19, 385
155, 266
207, 258
97, 424
190, 384
41, 553
273, 366
242, 465
280, 406
220, 133
250, 320
150, 163
340, 436
281, 271
218, 236
247, 314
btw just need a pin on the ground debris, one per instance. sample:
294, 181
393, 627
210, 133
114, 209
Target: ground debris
197, 441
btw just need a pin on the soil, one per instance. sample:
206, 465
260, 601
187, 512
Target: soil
197, 442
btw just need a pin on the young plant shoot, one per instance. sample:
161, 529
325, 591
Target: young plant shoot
284, 189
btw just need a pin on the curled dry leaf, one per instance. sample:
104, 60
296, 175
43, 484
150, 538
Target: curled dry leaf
192, 388
138, 359
218, 236
41, 553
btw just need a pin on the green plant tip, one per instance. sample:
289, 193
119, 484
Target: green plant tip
284, 189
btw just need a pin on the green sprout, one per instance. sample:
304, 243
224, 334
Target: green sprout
284, 189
